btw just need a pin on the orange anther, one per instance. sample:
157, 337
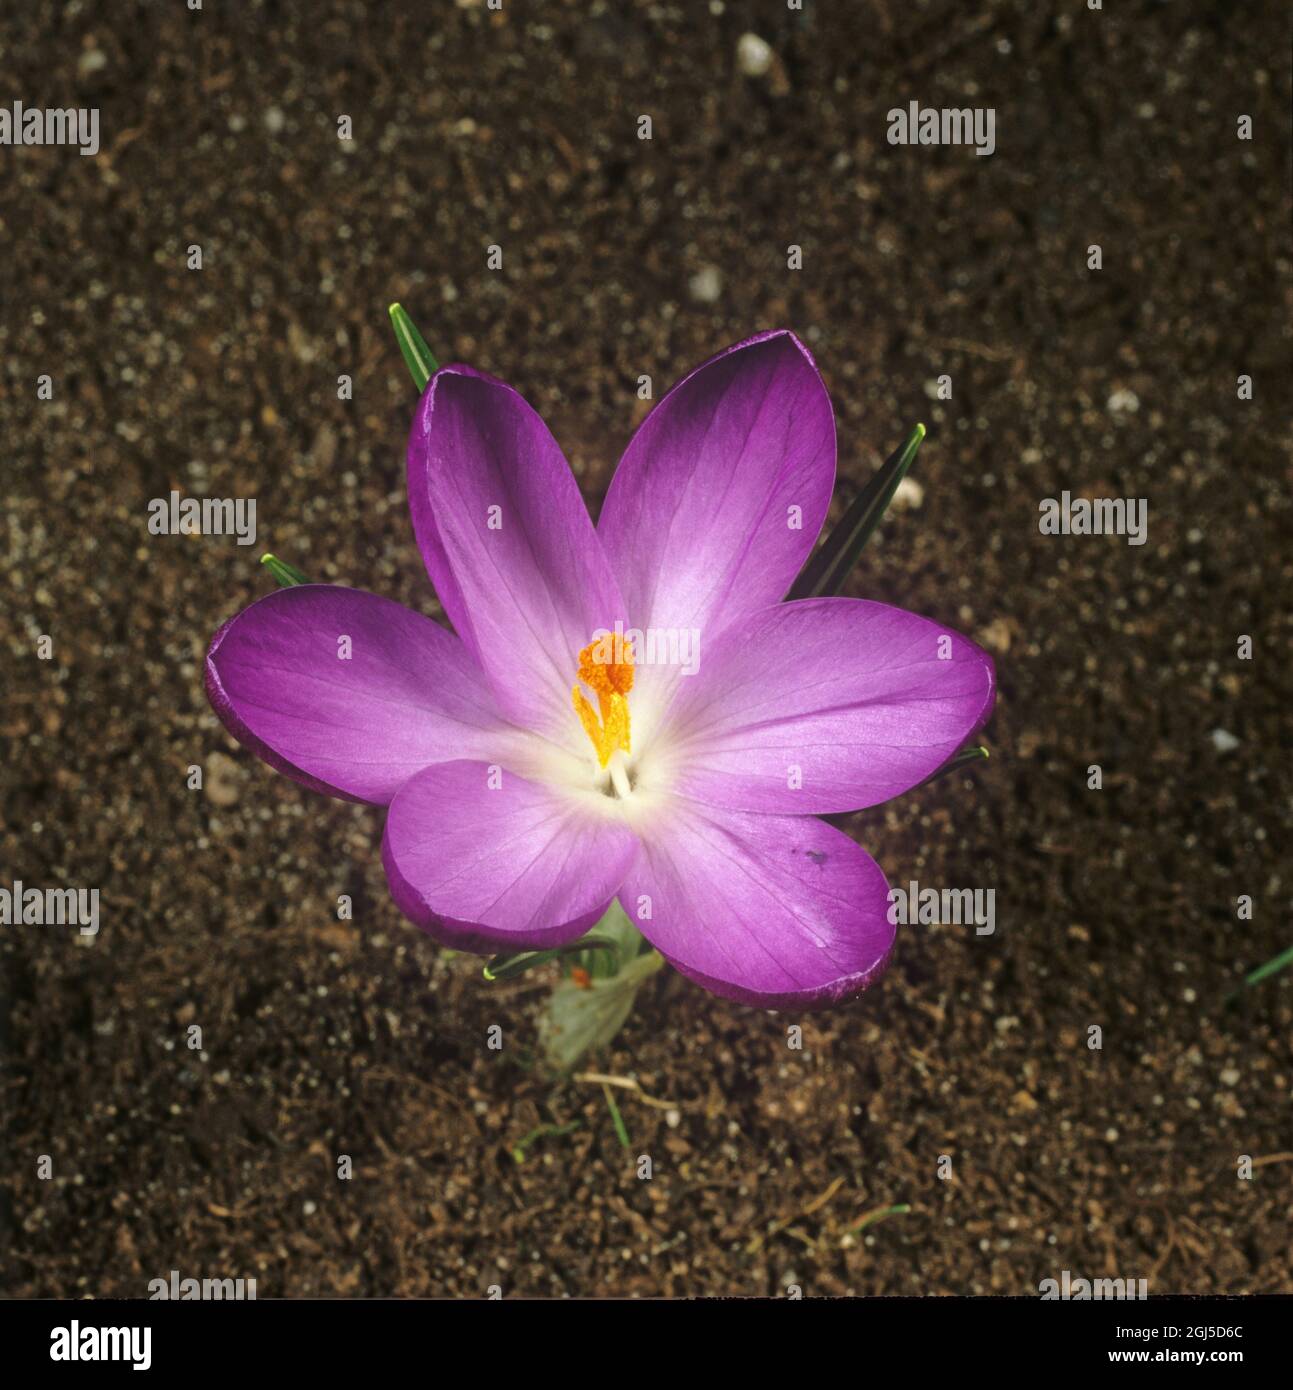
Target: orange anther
606, 668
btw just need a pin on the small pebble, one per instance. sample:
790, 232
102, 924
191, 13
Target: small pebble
1224, 741
996, 637
706, 285
908, 496
753, 55
223, 780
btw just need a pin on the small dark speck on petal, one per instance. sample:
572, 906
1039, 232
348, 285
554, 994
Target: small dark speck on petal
818, 856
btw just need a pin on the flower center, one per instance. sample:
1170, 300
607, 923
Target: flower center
606, 668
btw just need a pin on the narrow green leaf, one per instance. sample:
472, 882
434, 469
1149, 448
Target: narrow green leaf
610, 946
285, 574
900, 1209
621, 1130
504, 967
542, 1132
974, 754
1255, 977
1273, 966
417, 355
828, 570
616, 928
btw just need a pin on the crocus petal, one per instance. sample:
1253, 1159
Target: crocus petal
778, 911
825, 705
488, 861
508, 544
346, 692
720, 495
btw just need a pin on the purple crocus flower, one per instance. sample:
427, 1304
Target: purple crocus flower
627, 710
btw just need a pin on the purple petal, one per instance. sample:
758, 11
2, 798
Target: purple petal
408, 695
778, 911
508, 544
487, 861
721, 493
825, 705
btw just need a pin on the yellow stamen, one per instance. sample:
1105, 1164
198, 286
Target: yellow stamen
610, 680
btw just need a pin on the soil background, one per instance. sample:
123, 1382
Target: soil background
519, 128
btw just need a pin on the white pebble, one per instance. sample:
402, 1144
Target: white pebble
1224, 741
753, 55
706, 285
908, 496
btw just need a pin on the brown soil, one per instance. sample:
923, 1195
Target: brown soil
1114, 908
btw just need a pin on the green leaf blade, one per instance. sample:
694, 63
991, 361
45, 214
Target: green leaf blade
417, 356
827, 572
1272, 967
976, 753
621, 1129
506, 967
287, 576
